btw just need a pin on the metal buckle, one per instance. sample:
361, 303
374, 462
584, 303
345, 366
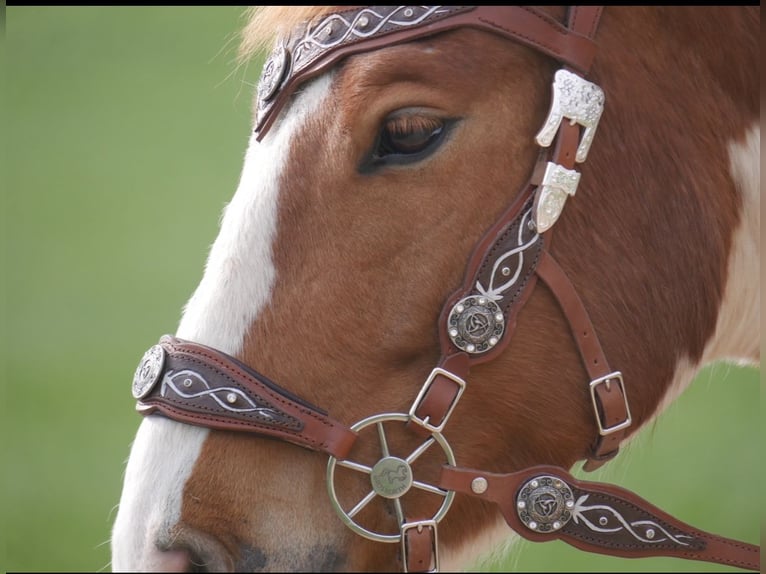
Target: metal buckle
424, 422
616, 376
419, 525
577, 100
558, 184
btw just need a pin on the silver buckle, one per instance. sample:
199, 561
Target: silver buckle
577, 100
419, 525
424, 422
616, 376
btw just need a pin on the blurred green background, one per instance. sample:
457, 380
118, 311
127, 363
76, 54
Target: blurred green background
125, 129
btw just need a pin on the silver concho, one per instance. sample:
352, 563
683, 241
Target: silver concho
475, 324
148, 371
274, 71
545, 503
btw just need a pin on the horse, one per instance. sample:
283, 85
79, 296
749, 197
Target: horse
470, 247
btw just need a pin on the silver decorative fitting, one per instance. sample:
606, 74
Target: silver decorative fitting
475, 324
578, 100
506, 271
363, 22
479, 485
148, 371
231, 398
603, 520
408, 12
650, 533
274, 71
543, 503
558, 184
187, 383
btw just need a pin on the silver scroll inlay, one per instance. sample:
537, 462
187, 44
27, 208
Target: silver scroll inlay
148, 371
558, 184
230, 398
507, 267
611, 521
578, 100
336, 29
545, 503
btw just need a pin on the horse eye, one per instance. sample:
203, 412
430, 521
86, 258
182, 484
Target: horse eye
405, 138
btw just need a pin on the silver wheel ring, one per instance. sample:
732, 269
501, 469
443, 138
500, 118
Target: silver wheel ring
347, 520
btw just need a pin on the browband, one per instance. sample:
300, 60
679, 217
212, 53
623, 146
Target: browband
313, 48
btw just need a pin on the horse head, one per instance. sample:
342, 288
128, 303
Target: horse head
393, 229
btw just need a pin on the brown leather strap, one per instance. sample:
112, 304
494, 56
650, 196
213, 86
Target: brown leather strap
420, 548
609, 397
202, 386
440, 396
314, 48
584, 19
547, 503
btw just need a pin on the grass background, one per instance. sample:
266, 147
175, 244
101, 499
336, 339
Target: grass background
125, 130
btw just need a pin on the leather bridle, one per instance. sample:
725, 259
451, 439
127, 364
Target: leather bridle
199, 385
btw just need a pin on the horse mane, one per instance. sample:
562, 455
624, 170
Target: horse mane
266, 23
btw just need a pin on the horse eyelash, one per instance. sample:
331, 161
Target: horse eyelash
405, 124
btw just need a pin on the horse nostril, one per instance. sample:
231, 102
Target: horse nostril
196, 564
175, 561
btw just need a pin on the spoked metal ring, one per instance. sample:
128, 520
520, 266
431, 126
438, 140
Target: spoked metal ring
391, 477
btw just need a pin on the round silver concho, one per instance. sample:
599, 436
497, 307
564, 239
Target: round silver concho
475, 324
545, 503
148, 371
274, 71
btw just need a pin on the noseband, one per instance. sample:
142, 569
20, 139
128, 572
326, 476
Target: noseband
198, 385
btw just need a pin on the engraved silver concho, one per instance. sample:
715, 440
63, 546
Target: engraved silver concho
545, 503
475, 324
274, 71
148, 371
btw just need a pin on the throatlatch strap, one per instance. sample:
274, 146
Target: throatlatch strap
610, 403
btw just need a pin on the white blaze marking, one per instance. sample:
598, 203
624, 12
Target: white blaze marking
236, 285
161, 459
